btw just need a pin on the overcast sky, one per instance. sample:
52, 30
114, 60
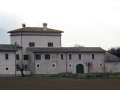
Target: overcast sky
92, 23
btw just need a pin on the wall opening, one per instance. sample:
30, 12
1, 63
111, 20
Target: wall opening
79, 68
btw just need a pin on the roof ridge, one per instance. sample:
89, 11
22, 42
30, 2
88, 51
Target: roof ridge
35, 29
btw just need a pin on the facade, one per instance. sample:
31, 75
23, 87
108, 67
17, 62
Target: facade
39, 51
7, 60
67, 59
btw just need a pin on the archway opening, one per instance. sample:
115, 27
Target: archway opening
79, 68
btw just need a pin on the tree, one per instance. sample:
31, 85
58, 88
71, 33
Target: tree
115, 51
21, 69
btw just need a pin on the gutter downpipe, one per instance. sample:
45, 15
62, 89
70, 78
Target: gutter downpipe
66, 63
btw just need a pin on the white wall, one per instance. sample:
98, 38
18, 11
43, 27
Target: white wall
46, 65
40, 41
10, 63
86, 58
112, 67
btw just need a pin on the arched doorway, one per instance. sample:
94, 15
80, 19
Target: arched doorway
79, 68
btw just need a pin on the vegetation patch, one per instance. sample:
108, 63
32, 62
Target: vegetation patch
77, 76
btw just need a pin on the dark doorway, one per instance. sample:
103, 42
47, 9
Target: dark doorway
79, 68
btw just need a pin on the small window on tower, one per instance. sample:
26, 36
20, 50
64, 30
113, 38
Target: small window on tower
50, 44
31, 44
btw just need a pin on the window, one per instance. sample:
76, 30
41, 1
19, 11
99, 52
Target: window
47, 56
79, 56
38, 65
17, 57
6, 68
92, 56
62, 57
26, 57
17, 67
37, 56
70, 56
6, 56
50, 44
31, 44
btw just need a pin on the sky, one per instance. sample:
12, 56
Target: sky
89, 23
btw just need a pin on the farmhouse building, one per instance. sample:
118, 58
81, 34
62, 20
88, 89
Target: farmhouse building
38, 50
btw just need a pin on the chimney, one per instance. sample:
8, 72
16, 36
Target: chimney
23, 25
45, 26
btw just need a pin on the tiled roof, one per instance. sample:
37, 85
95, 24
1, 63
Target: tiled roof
7, 47
111, 58
35, 29
67, 49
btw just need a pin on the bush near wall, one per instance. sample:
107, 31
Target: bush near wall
88, 76
76, 76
